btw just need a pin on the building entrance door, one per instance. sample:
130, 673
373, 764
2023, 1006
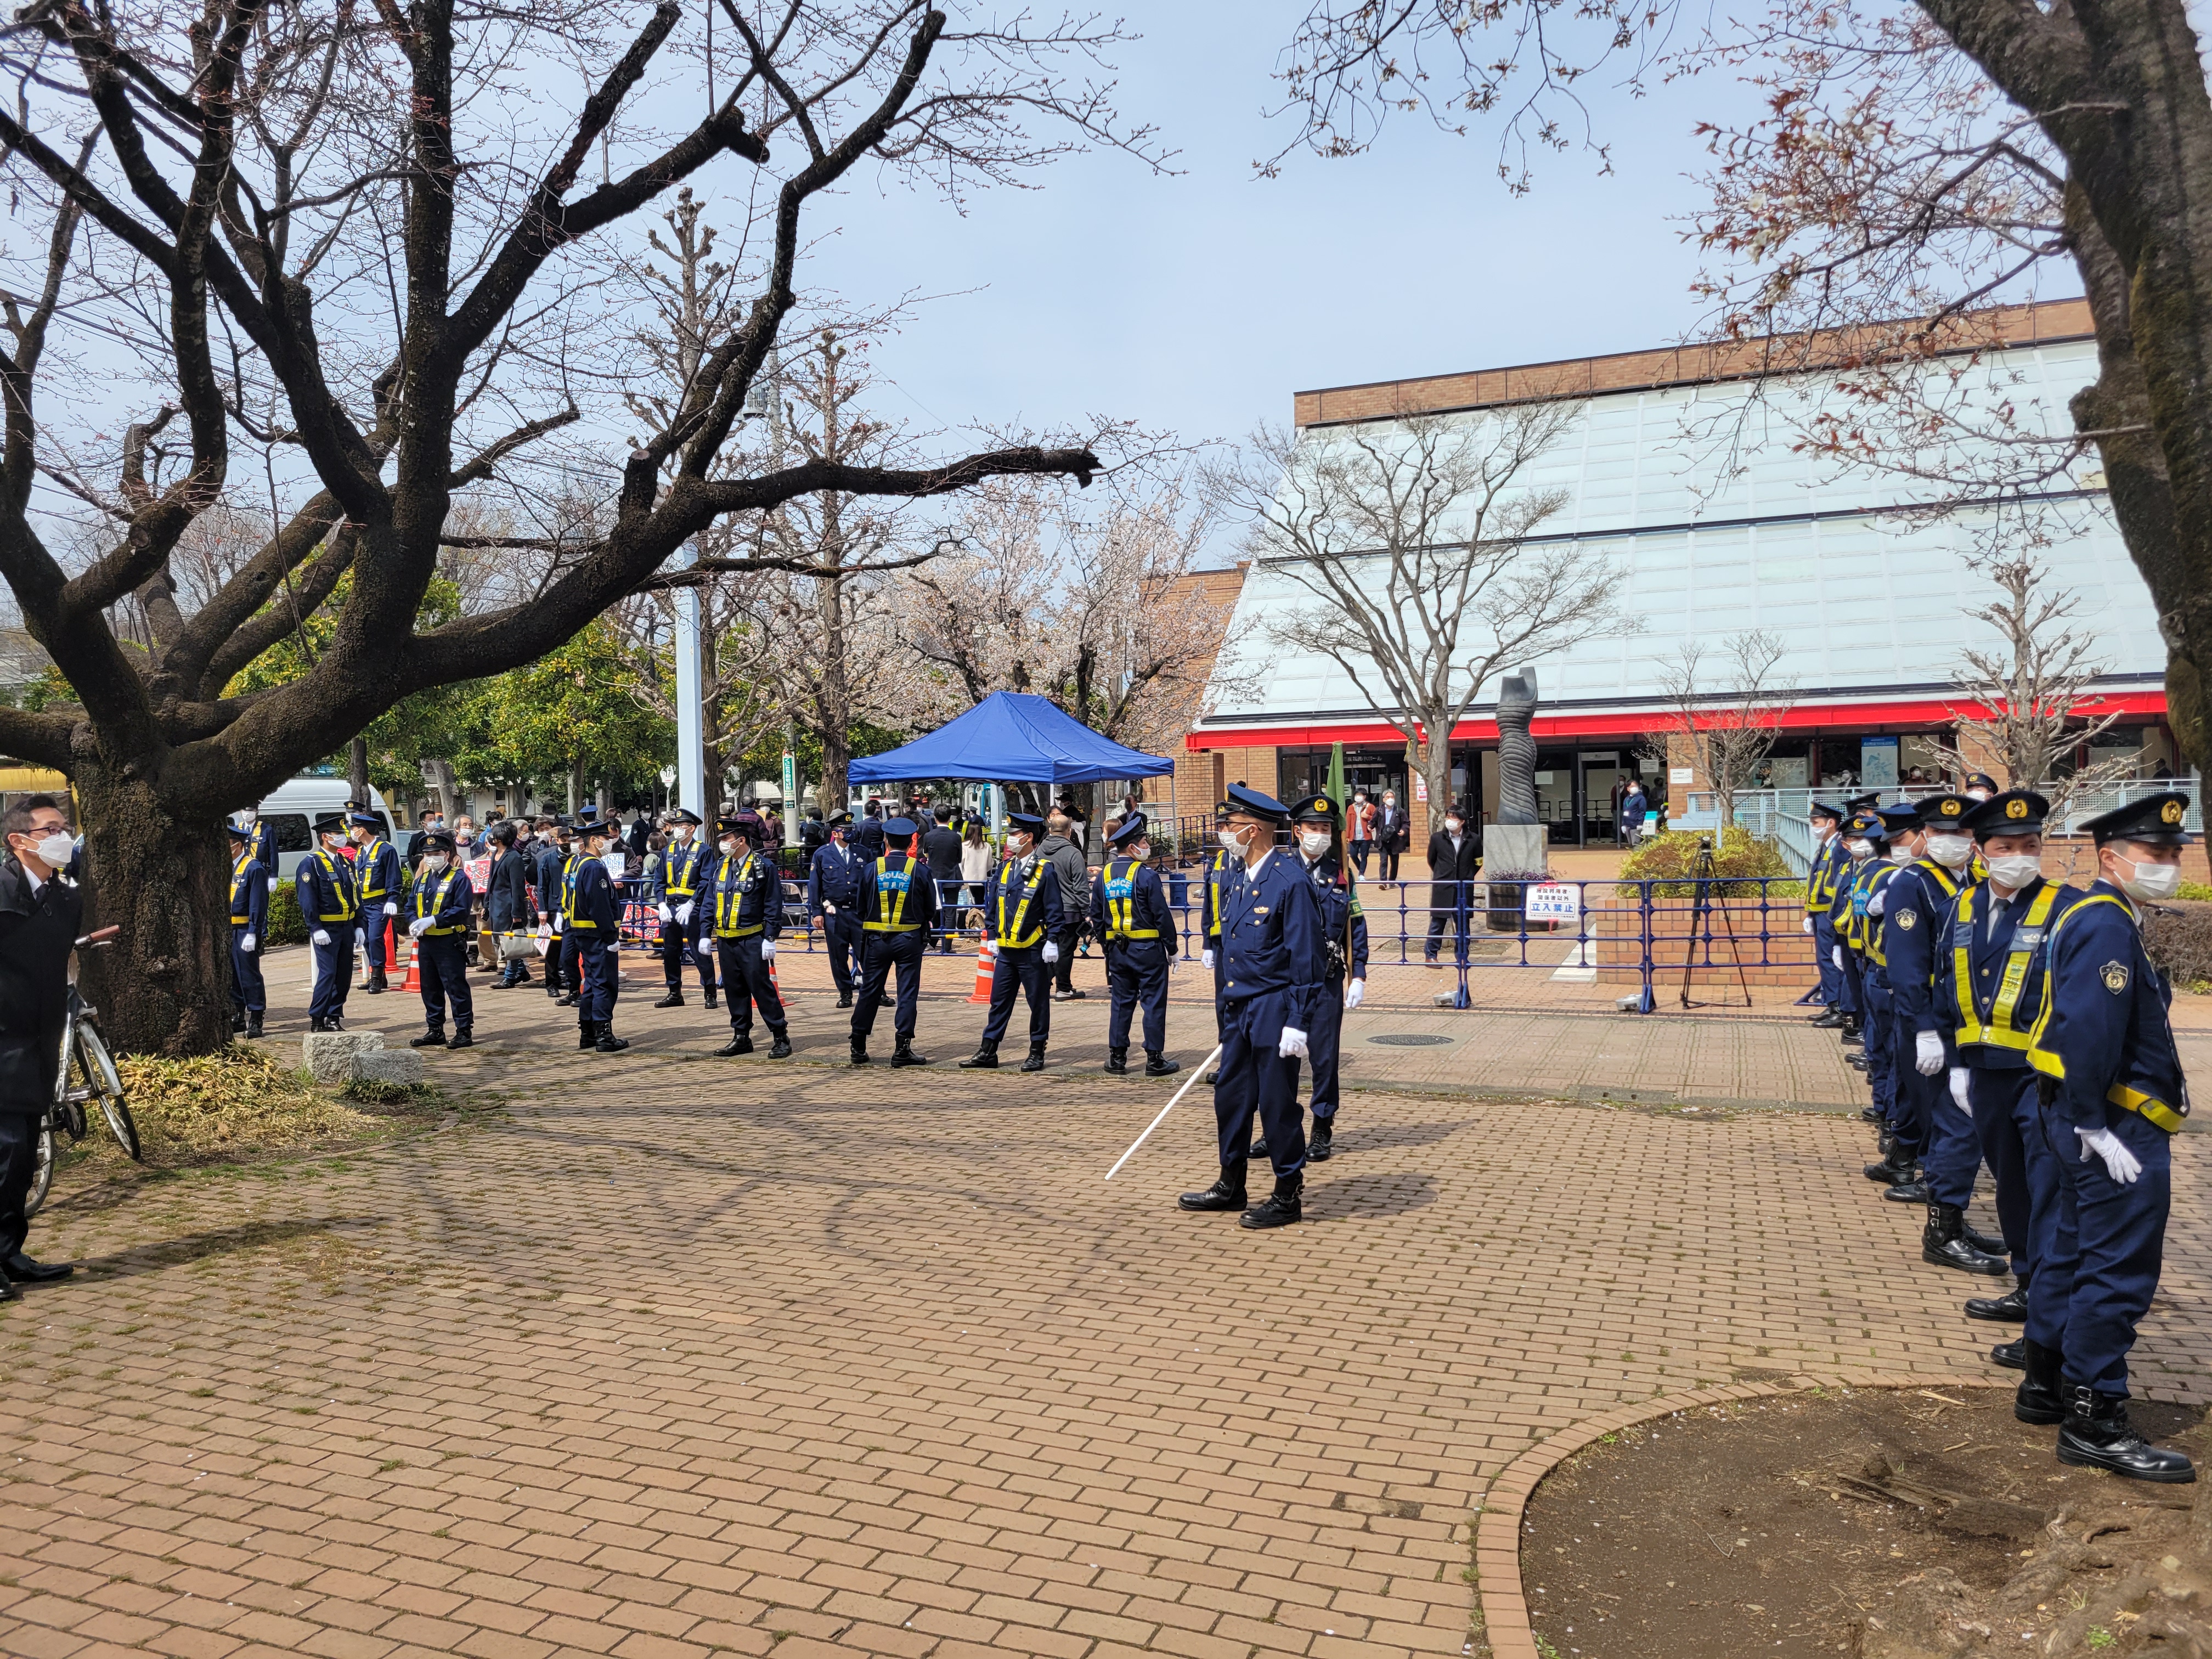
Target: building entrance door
1602, 769
1558, 787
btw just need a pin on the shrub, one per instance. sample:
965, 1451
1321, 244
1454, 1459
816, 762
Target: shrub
2178, 938
1670, 858
286, 925
238, 1099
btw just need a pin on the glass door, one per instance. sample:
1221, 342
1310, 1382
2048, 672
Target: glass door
1557, 781
1602, 769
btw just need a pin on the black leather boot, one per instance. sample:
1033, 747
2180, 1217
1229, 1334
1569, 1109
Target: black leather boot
781, 1049
711, 1003
1036, 1061
859, 1051
1321, 1145
2013, 1356
1870, 1113
739, 1044
566, 999
1828, 1019
1944, 1243
2039, 1398
1982, 1242
237, 1024
432, 1038
252, 1025
673, 999
903, 1054
587, 1034
985, 1058
2097, 1435
1158, 1064
464, 1038
844, 998
609, 1044
2011, 1308
1117, 1062
1914, 1191
377, 984
1227, 1193
1280, 1208
1894, 1169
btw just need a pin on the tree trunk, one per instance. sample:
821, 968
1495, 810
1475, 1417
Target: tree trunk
162, 874
357, 770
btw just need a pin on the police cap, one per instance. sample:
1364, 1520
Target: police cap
2155, 820
2015, 812
330, 823
1133, 828
1899, 818
236, 830
1866, 825
1029, 823
1245, 802
738, 823
1946, 812
1821, 808
1314, 809
365, 820
895, 827
682, 815
1862, 803
1980, 781
437, 841
839, 820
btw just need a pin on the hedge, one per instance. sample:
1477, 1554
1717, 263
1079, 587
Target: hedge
2178, 938
1671, 856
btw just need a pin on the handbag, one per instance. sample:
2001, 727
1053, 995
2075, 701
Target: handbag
516, 947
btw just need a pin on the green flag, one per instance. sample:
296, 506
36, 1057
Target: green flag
1336, 776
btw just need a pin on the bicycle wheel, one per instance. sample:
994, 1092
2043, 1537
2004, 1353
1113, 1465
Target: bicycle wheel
42, 1172
100, 1076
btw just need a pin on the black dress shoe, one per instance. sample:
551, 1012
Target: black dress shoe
609, 1044
1321, 1145
985, 1058
903, 1055
1117, 1062
2011, 1308
2013, 1356
318, 1025
2097, 1435
1158, 1064
711, 1003
24, 1271
1891, 1170
462, 1038
1856, 1062
8, 1292
1870, 1113
427, 1040
1036, 1061
1279, 1208
673, 999
845, 1000
1853, 1040
1908, 1192
1982, 1242
860, 1054
1227, 1193
566, 999
781, 1049
1828, 1019
736, 1045
1258, 1154
1210, 1078
1943, 1243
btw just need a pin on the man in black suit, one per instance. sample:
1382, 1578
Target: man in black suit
941, 848
39, 914
1454, 855
1390, 834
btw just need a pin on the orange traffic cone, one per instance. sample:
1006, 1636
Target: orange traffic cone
775, 981
987, 964
414, 967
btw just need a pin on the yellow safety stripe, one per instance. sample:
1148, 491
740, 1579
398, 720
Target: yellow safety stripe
2052, 1065
367, 864
1213, 894
1121, 910
896, 923
1012, 936
435, 896
2150, 1106
1944, 878
2002, 1031
346, 912
728, 901
238, 890
569, 868
680, 882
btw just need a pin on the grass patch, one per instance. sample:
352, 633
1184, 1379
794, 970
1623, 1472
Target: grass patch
376, 1091
238, 1100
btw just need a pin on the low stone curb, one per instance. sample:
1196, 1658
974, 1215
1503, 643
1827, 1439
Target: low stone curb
1498, 1530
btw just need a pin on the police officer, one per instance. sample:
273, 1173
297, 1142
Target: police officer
1989, 986
438, 911
1021, 909
898, 912
376, 870
1831, 865
1916, 916
1274, 958
1900, 1160
1345, 926
2112, 1093
507, 912
249, 926
1216, 862
330, 902
567, 947
591, 925
834, 877
1129, 910
551, 880
686, 871
1846, 957
747, 897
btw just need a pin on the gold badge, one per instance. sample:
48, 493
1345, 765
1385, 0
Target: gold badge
2115, 975
1949, 809
2171, 812
1907, 919
2015, 809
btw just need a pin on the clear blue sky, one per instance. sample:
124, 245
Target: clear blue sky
1199, 303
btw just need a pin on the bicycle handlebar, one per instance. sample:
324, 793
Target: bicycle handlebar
100, 936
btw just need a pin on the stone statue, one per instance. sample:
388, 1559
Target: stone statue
1516, 750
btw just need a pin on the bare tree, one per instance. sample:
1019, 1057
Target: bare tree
1724, 707
1414, 546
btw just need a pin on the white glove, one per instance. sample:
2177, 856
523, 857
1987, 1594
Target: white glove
1808, 924
272, 887
1838, 954
322, 937
2120, 1163
1927, 1053
1958, 1090
559, 923
1051, 952
1355, 994
768, 949
419, 927
828, 908
1206, 958
391, 908
684, 913
1293, 1045
666, 913
1877, 904
247, 944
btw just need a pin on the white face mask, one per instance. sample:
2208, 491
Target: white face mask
1453, 827
1859, 849
681, 832
1978, 794
1902, 855
2150, 883
2016, 869
1232, 841
55, 849
1951, 852
1316, 841
434, 862
1018, 846
729, 849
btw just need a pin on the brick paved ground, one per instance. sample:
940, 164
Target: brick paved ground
680, 1355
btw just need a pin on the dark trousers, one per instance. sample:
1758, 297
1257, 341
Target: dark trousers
597, 986
1360, 850
1832, 977
442, 959
843, 934
2107, 1244
745, 977
1064, 968
1950, 1149
375, 932
1854, 997
1443, 910
248, 994
674, 937
1020, 968
1325, 1045
333, 971
1220, 984
554, 948
19, 1161
570, 946
2007, 1123
1137, 972
1389, 871
880, 954
948, 906
1881, 1060
1254, 1078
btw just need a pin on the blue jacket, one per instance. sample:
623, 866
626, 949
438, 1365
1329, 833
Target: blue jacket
589, 907
882, 909
506, 892
1129, 902
746, 897
249, 897
1340, 914
2002, 974
545, 876
327, 890
2103, 1036
1272, 937
376, 872
1021, 908
445, 898
686, 871
834, 873
1914, 904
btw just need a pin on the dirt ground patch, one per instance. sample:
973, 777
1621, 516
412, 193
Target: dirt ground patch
1875, 1524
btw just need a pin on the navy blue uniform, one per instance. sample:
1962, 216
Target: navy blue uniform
1274, 958
834, 881
590, 918
249, 919
1344, 925
1863, 936
747, 905
898, 912
1916, 906
1129, 910
549, 877
687, 869
1849, 997
330, 902
442, 949
1021, 911
376, 870
1832, 869
2103, 1049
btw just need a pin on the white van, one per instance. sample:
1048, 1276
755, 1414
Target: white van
292, 809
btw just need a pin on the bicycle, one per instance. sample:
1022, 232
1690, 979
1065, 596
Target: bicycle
88, 1073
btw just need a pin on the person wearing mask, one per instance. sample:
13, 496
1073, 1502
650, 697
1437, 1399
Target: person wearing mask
1359, 831
898, 910
433, 820
1916, 909
1344, 925
465, 845
508, 910
1979, 786
330, 904
1831, 863
1989, 985
687, 872
975, 862
2112, 1096
812, 833
550, 859
249, 926
746, 897
1391, 833
1065, 854
1216, 868
40, 916
1274, 961
1846, 957
941, 846
590, 918
438, 911
1021, 916
376, 868
1633, 808
1455, 856
1129, 911
834, 878
641, 831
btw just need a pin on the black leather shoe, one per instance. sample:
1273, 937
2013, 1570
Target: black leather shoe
1227, 1193
1870, 1113
1908, 1192
1944, 1243
903, 1054
237, 1024
1892, 1171
2097, 1435
253, 1027
845, 1000
781, 1049
1856, 1062
24, 1271
1036, 1061
463, 1039
1117, 1062
673, 999
1158, 1064
2039, 1398
860, 1054
2013, 1356
1982, 1242
8, 1292
711, 1003
1280, 1208
566, 999
1258, 1152
1321, 1145
1853, 1040
377, 986
318, 1025
2011, 1308
587, 1034
1211, 1077
985, 1058
1828, 1019
427, 1040
736, 1045
609, 1044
